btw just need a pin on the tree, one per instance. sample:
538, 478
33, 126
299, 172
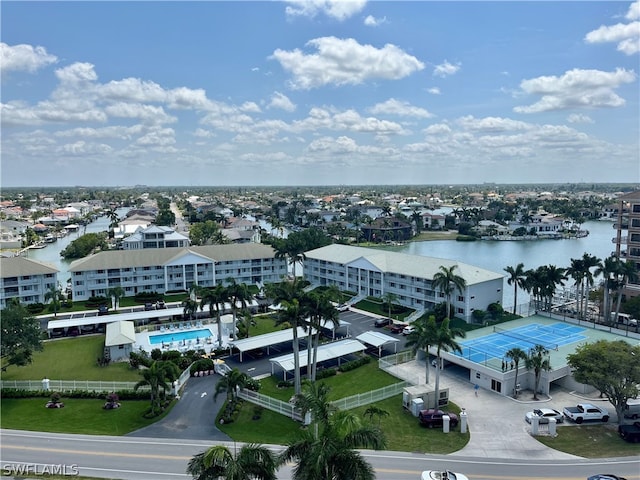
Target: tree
422, 337
588, 262
189, 307
202, 233
215, 298
516, 354
320, 311
448, 281
445, 341
627, 273
21, 334
517, 277
292, 315
388, 298
610, 266
327, 450
54, 293
613, 367
239, 297
252, 462
154, 377
373, 411
537, 360
116, 293
230, 383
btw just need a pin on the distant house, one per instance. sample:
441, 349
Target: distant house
119, 340
155, 237
387, 229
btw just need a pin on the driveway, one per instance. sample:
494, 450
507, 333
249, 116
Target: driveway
193, 416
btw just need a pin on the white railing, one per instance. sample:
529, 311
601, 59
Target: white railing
371, 396
270, 403
69, 385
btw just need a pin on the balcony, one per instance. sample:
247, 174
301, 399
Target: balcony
623, 240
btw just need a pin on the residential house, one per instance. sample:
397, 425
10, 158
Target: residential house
155, 237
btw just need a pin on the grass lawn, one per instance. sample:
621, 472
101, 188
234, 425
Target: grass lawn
271, 428
72, 359
78, 416
591, 441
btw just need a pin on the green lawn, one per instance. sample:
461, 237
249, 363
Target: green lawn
78, 416
591, 441
72, 359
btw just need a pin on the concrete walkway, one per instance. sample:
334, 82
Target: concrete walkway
496, 422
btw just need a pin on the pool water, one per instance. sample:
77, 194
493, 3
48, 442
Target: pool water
178, 336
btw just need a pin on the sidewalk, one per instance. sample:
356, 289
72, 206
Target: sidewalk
496, 422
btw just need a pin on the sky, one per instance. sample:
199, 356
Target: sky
319, 92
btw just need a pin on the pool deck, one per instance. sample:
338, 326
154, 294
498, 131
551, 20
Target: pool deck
207, 343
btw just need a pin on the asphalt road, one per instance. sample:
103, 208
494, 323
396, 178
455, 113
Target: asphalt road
131, 458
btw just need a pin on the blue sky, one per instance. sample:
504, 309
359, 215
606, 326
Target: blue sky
319, 92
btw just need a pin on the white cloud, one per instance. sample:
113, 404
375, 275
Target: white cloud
338, 9
83, 149
371, 21
579, 118
433, 91
491, 124
345, 62
626, 35
397, 107
115, 131
445, 69
24, 58
576, 89
148, 114
77, 73
157, 137
282, 102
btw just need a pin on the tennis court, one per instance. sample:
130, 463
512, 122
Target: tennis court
495, 345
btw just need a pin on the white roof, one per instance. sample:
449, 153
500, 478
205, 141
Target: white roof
326, 352
267, 339
91, 318
120, 333
377, 339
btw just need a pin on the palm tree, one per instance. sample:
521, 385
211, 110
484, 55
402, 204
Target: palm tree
422, 337
116, 293
416, 217
388, 298
327, 450
252, 462
373, 411
190, 307
215, 298
576, 272
608, 269
448, 281
292, 315
154, 377
516, 354
538, 360
517, 278
627, 273
588, 262
239, 297
552, 277
230, 383
445, 341
54, 293
320, 311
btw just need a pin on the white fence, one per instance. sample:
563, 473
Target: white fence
69, 385
273, 404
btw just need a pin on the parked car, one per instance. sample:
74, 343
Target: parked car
148, 306
408, 329
586, 411
343, 307
605, 476
160, 304
433, 418
103, 310
397, 327
382, 322
543, 415
442, 475
631, 433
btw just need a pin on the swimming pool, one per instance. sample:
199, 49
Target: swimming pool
178, 336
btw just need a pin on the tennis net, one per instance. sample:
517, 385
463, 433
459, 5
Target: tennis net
524, 338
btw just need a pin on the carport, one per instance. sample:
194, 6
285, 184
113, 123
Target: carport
378, 340
328, 351
332, 327
266, 340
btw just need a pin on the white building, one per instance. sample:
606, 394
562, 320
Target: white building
372, 272
25, 280
155, 237
174, 269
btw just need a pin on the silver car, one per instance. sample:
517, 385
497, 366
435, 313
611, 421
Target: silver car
543, 415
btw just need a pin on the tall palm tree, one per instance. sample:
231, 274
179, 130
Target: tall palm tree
422, 337
388, 298
552, 277
230, 383
154, 377
627, 272
576, 272
116, 293
252, 462
448, 281
189, 308
589, 262
54, 293
239, 297
293, 315
608, 269
320, 311
416, 217
516, 354
445, 341
327, 450
517, 278
215, 298
537, 360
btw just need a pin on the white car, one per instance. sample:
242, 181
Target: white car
408, 329
442, 475
544, 414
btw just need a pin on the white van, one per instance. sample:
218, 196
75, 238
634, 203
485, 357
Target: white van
632, 408
625, 319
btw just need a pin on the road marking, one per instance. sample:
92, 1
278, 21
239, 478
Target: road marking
99, 454
204, 394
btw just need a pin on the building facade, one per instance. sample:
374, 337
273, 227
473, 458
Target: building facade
164, 270
155, 237
25, 280
627, 239
371, 272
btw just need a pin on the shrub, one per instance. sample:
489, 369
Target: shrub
325, 373
35, 308
352, 365
495, 310
253, 385
156, 354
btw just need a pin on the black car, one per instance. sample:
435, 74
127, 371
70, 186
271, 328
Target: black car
148, 306
382, 322
433, 418
103, 310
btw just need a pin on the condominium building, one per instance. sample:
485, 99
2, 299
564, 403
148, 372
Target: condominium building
627, 237
164, 270
25, 280
372, 272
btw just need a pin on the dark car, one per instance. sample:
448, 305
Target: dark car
630, 433
397, 327
148, 306
605, 476
382, 322
433, 418
103, 310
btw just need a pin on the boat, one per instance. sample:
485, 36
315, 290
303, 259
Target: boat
50, 238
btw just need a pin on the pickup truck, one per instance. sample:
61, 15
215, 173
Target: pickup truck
631, 432
586, 411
